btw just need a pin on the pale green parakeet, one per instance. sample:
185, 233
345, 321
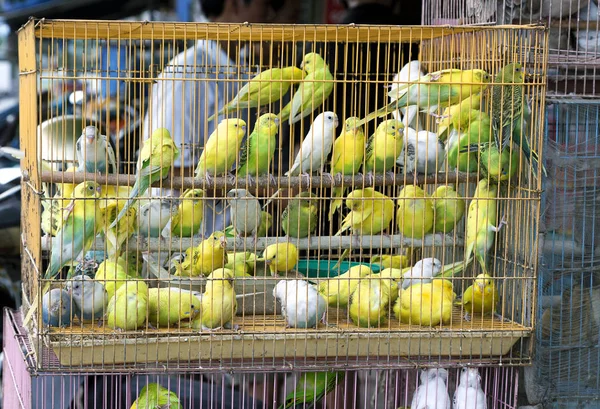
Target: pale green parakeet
311, 388
258, 151
300, 217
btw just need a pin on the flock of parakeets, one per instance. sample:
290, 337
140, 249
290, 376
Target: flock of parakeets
312, 387
474, 138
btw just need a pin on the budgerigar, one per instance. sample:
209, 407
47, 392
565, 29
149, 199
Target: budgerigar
455, 117
414, 216
461, 145
280, 257
154, 396
299, 219
369, 302
421, 152
371, 212
76, 236
258, 151
311, 388
263, 89
154, 163
313, 90
422, 272
315, 147
94, 152
245, 212
481, 220
337, 290
221, 149
432, 392
409, 73
301, 304
347, 158
448, 208
89, 296
111, 275
427, 304
56, 308
153, 217
167, 307
510, 112
187, 218
117, 236
481, 297
209, 255
434, 91
384, 147
127, 309
219, 302
468, 393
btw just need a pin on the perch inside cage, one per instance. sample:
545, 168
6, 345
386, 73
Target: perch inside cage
316, 200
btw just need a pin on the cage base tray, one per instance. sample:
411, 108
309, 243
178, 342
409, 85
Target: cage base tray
267, 337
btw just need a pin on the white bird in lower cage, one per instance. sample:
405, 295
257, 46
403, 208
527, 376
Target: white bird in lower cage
246, 212
432, 392
301, 304
422, 152
410, 72
422, 272
315, 148
468, 394
89, 296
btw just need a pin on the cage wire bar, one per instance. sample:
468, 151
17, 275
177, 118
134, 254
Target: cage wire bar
573, 41
28, 387
179, 282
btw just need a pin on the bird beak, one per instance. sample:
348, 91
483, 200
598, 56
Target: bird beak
481, 286
336, 122
223, 242
99, 189
276, 120
244, 128
269, 261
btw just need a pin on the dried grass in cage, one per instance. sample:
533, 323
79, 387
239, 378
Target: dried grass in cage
261, 227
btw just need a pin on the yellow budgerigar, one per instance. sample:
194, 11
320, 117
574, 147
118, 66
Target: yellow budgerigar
369, 303
427, 304
209, 255
347, 158
371, 212
167, 307
186, 220
481, 220
280, 257
449, 208
126, 226
337, 290
127, 309
391, 261
415, 212
481, 297
221, 148
112, 275
384, 147
457, 116
219, 302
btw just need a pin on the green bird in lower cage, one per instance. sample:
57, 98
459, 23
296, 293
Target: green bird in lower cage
311, 388
154, 396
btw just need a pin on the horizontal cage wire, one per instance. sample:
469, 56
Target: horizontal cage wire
573, 41
468, 387
249, 201
568, 334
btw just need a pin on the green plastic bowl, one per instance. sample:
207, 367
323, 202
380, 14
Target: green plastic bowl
324, 268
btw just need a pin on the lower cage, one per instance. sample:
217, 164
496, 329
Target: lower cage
24, 387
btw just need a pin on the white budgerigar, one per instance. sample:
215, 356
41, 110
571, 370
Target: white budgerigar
301, 304
422, 272
246, 213
154, 216
468, 394
422, 152
432, 392
94, 152
410, 72
89, 296
315, 148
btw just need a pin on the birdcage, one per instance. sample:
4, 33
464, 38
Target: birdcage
26, 387
261, 270
573, 40
568, 332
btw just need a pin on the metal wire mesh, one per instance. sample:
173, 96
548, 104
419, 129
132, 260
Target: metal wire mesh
567, 360
27, 387
211, 291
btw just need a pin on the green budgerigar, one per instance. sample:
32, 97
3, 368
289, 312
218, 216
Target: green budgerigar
314, 89
311, 388
448, 208
510, 112
347, 157
154, 396
258, 151
83, 220
265, 88
300, 217
462, 145
154, 163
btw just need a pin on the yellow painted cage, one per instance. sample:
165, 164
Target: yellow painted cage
267, 196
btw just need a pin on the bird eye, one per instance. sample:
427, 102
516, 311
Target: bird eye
329, 117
